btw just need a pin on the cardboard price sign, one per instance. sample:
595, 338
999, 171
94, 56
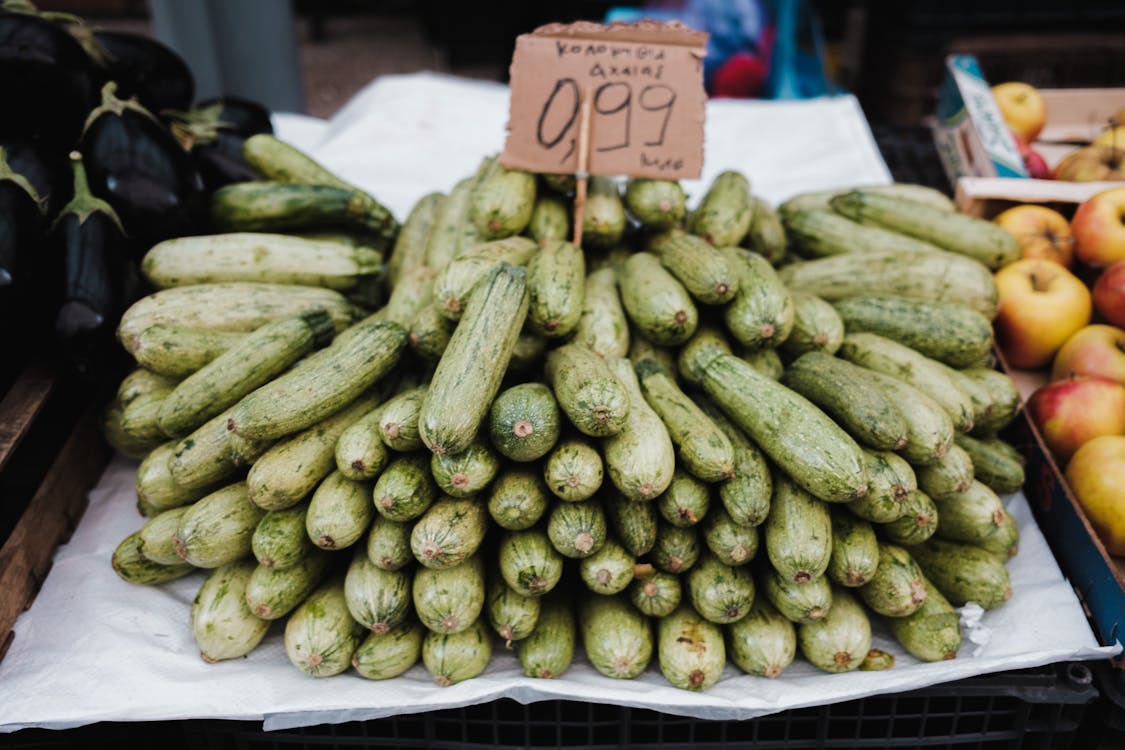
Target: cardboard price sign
638, 88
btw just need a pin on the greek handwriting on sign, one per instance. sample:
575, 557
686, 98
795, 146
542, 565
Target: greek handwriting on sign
643, 84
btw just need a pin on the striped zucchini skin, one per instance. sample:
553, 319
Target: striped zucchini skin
952, 474
906, 190
746, 495
398, 420
604, 219
676, 549
720, 593
973, 237
204, 457
361, 453
588, 392
655, 593
609, 570
633, 524
511, 614
800, 603
518, 498
574, 469
279, 539
949, 332
550, 218
466, 473
840, 641
549, 650
929, 428
132, 566
764, 642
502, 202
274, 592
896, 589
278, 160
218, 528
451, 223
156, 487
690, 650
256, 360
450, 600
935, 275
1005, 399
855, 549
449, 532
577, 530
454, 657
340, 512
762, 314
524, 421
455, 283
964, 572
821, 232
891, 479
305, 395
556, 286
732, 543
724, 213
382, 656
800, 438
639, 459
618, 639
708, 274
388, 544
817, 326
405, 489
413, 292
377, 598
996, 463
178, 351
222, 624
528, 562
258, 256
655, 301
603, 327
766, 235
933, 632
468, 375
798, 532
321, 636
919, 520
657, 204
686, 502
230, 306
157, 537
409, 250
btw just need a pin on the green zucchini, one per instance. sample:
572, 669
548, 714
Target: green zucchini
929, 428
707, 338
563, 184
839, 641
550, 219
556, 284
592, 398
430, 332
603, 218
388, 544
720, 593
468, 375
217, 529
272, 593
573, 470
634, 524
746, 495
133, 567
121, 442
155, 484
971, 515
1005, 401
177, 351
712, 277
398, 420
204, 457
933, 631
452, 229
819, 232
766, 235
549, 650
454, 657
686, 501
655, 301
657, 204
523, 421
731, 543
455, 284
724, 214
855, 550
382, 656
896, 589
321, 636
919, 520
577, 530
995, 462
640, 458
609, 570
655, 593
405, 489
157, 536
511, 614
603, 327
762, 314
279, 539
950, 475
449, 532
360, 452
892, 478
528, 562
617, 638
766, 361
518, 498
676, 549
467, 472
221, 622
502, 202
798, 532
764, 643
409, 250
340, 512
1004, 540
140, 418
817, 326
413, 292
449, 600
690, 650
276, 207
800, 603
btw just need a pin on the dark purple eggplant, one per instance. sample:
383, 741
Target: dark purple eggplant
214, 133
137, 165
47, 81
146, 68
21, 224
87, 242
238, 115
45, 168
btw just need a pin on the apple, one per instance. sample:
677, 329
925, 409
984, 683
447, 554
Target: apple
1109, 294
1033, 160
1096, 475
1042, 232
1092, 164
1070, 412
1113, 136
1040, 305
1098, 229
1022, 107
1096, 349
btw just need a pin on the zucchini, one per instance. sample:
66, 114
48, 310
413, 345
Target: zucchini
468, 375
933, 631
929, 428
707, 338
724, 213
1005, 399
115, 436
518, 498
449, 532
720, 593
764, 643
819, 232
155, 485
577, 530
655, 593
511, 614
746, 495
656, 204
896, 589
573, 470
258, 256
709, 275
528, 562
550, 219
388, 544
340, 512
409, 250
449, 600
640, 458
950, 332
938, 276
603, 218
996, 463
549, 650
275, 207
766, 235
703, 449
690, 650
563, 184
655, 301
970, 516
899, 361
177, 351
157, 537
398, 419
217, 529
454, 657
603, 327
141, 381
877, 660
762, 314
556, 284
382, 656
588, 392
731, 543
817, 326
634, 524
467, 472
272, 593
800, 438
455, 284
293, 467
967, 235
452, 230
800, 603
844, 392
798, 532
892, 478
140, 419
405, 489
523, 421
279, 539
413, 292
204, 458
676, 548
686, 501
617, 638
952, 474
766, 361
133, 567
361, 453
1004, 540
303, 396
430, 332
527, 356
221, 623
609, 570
502, 202
838, 642
855, 550
919, 520
321, 636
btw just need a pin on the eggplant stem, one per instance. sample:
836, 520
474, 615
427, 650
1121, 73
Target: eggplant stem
85, 204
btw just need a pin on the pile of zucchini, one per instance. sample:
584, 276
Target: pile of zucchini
731, 433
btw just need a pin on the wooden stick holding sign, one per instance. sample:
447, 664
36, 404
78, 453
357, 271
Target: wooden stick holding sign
615, 100
583, 173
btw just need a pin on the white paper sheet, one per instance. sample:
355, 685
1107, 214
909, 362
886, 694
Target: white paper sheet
94, 648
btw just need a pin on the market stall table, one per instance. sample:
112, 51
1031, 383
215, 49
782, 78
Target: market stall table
93, 648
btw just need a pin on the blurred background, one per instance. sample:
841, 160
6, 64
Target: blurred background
311, 56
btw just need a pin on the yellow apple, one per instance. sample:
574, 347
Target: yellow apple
1071, 412
1042, 232
1041, 304
1096, 475
1092, 164
1098, 229
1114, 136
1096, 349
1022, 107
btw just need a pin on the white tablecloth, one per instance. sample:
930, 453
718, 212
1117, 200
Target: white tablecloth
94, 648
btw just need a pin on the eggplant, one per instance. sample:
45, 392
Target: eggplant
147, 69
45, 168
214, 131
21, 223
135, 163
87, 242
47, 81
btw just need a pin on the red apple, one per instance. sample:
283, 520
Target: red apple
1093, 350
1041, 231
1109, 294
1070, 412
1022, 107
1096, 475
1036, 165
1041, 305
1098, 226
